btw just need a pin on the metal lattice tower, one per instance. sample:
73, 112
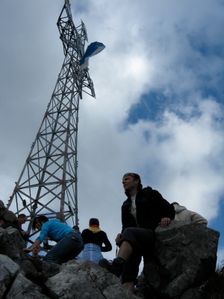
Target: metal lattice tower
48, 182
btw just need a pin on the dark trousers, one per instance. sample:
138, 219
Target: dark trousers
66, 249
142, 242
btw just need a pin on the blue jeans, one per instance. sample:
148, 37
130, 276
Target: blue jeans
66, 249
91, 252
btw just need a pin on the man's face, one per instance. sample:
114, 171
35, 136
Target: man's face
22, 219
35, 250
37, 225
130, 183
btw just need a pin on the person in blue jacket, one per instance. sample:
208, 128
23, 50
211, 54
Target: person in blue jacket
68, 242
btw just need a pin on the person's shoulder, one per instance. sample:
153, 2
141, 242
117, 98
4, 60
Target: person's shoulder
147, 190
102, 232
47, 223
178, 208
126, 201
152, 193
126, 204
52, 222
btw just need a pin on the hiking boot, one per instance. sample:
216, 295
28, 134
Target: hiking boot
116, 267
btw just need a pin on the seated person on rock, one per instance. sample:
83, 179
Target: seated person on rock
183, 216
69, 243
141, 213
95, 241
187, 216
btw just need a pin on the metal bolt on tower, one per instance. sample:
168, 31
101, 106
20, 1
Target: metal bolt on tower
48, 182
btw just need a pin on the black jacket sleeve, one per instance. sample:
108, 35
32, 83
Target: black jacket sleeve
106, 246
165, 208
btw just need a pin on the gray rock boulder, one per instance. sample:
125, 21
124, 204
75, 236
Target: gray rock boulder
8, 272
185, 257
86, 280
11, 242
23, 288
13, 285
24, 277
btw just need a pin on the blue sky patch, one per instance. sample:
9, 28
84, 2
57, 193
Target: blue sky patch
150, 107
218, 223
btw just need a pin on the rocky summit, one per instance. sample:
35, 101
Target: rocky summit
182, 268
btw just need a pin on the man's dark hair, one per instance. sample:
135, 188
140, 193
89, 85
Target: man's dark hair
39, 219
76, 228
22, 215
136, 177
94, 221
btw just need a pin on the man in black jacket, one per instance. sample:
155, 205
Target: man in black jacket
141, 213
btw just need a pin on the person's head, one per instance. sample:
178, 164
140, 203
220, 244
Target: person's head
76, 228
94, 222
38, 221
22, 218
35, 251
132, 183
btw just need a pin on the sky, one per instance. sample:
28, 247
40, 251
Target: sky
159, 100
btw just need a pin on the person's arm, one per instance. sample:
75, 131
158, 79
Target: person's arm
119, 239
41, 238
107, 245
84, 235
198, 219
167, 212
36, 245
43, 232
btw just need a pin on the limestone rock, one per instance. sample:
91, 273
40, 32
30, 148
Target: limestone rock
194, 293
22, 288
86, 280
11, 242
185, 258
8, 271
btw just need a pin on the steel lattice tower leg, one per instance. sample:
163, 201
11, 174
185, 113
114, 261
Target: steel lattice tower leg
48, 182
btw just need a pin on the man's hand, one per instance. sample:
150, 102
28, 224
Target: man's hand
36, 245
165, 221
118, 239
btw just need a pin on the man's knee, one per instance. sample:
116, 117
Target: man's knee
140, 239
51, 257
128, 233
